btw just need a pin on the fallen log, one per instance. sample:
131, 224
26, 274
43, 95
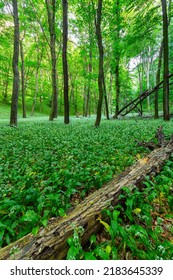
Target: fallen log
50, 243
134, 103
160, 140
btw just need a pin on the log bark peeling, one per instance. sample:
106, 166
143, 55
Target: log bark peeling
50, 243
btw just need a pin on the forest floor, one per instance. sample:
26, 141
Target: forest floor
48, 167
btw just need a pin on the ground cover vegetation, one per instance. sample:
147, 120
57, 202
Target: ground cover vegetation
46, 168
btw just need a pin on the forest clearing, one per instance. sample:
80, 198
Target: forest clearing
86, 130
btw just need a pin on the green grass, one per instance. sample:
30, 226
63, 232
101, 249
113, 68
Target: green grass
5, 110
44, 165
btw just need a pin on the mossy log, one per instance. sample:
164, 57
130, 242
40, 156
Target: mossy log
50, 243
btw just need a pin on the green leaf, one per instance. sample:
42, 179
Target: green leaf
30, 216
89, 256
61, 212
44, 222
114, 227
7, 238
35, 230
106, 226
115, 214
1, 235
93, 239
72, 253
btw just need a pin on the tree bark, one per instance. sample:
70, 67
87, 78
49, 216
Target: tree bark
89, 66
89, 81
117, 86
156, 99
50, 243
110, 91
166, 115
39, 59
140, 86
23, 78
5, 82
50, 6
65, 63
117, 56
101, 53
105, 97
15, 92
156, 116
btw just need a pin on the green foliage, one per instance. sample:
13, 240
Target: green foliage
129, 28
140, 226
48, 167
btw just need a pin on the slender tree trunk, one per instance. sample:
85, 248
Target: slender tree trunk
117, 86
85, 88
105, 98
23, 79
89, 82
156, 99
50, 5
148, 76
110, 92
166, 115
100, 74
89, 67
73, 99
140, 86
36, 91
39, 58
15, 92
5, 84
84, 99
65, 63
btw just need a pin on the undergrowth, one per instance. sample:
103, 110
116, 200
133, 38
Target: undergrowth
47, 167
140, 227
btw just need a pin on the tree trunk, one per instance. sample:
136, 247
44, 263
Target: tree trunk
39, 58
65, 64
89, 66
50, 6
100, 74
140, 86
23, 78
166, 115
156, 116
5, 83
148, 76
89, 82
156, 99
105, 98
110, 92
36, 91
117, 86
15, 92
117, 55
50, 243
